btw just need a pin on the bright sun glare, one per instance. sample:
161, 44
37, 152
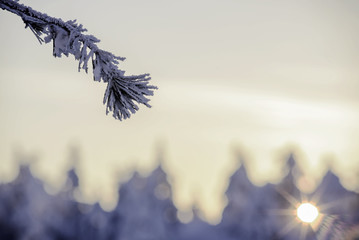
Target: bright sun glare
307, 212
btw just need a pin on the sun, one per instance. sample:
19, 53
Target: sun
307, 212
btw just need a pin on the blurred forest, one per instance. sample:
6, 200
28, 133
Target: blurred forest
145, 210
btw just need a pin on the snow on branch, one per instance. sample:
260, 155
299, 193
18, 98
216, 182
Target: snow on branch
123, 93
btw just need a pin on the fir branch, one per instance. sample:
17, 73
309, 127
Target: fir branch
123, 93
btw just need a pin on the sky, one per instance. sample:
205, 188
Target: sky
259, 78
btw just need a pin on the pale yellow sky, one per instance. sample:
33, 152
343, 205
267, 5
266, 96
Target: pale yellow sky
263, 76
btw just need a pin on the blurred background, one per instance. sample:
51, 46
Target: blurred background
263, 78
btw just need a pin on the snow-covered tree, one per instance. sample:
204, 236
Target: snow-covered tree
247, 214
123, 93
335, 199
197, 228
146, 208
24, 207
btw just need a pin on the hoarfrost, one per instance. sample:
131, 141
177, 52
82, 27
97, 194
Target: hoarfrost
123, 93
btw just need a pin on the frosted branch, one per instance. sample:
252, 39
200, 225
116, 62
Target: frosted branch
123, 93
